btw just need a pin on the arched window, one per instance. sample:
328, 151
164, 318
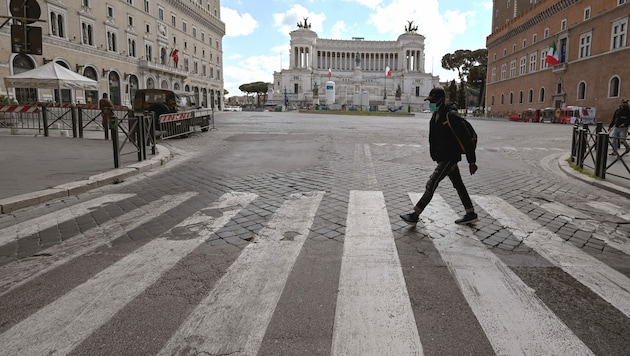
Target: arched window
541, 95
613, 87
520, 97
150, 83
492, 100
502, 99
530, 96
511, 98
581, 91
23, 63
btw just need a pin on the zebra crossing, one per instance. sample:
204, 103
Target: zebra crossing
374, 312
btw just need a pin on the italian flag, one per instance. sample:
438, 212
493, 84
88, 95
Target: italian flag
553, 57
388, 72
329, 72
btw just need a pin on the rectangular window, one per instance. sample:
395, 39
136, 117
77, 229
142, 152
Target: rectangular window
563, 25
585, 45
146, 6
523, 65
524, 43
130, 21
173, 20
532, 62
513, 69
494, 75
110, 12
543, 56
587, 13
621, 2
546, 33
147, 28
184, 26
130, 2
87, 34
148, 52
85, 3
161, 13
504, 72
619, 33
534, 38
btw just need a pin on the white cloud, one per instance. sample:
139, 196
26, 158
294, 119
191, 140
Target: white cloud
249, 70
237, 24
287, 21
338, 30
372, 4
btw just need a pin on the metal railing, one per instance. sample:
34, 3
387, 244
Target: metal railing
590, 150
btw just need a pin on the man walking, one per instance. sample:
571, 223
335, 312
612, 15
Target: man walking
448, 135
106, 107
619, 124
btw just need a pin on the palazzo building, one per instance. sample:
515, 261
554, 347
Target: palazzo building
358, 69
125, 45
592, 50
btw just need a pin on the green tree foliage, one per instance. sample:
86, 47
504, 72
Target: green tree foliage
256, 88
452, 92
471, 67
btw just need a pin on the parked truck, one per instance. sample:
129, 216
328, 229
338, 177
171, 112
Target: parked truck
577, 114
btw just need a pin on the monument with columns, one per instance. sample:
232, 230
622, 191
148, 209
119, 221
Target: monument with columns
367, 74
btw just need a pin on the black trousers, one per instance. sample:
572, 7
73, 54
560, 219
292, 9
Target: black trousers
444, 169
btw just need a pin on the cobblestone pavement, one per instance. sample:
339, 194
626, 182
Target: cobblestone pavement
310, 256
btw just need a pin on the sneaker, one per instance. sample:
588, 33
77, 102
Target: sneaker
469, 218
411, 219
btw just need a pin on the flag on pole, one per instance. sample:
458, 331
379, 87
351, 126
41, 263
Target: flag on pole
388, 72
329, 72
553, 57
175, 56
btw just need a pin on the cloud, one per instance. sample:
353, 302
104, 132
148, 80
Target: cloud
236, 24
249, 70
371, 4
338, 30
287, 21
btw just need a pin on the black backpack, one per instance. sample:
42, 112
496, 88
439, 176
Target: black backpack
472, 134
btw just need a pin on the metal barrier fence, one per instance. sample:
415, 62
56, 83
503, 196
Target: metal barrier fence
590, 150
138, 130
184, 124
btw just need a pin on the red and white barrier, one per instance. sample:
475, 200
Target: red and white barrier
19, 108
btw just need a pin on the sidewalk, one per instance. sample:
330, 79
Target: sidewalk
38, 169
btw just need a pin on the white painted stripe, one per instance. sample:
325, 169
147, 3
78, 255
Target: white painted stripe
33, 226
235, 315
612, 209
363, 166
19, 272
62, 325
606, 282
513, 318
586, 223
373, 314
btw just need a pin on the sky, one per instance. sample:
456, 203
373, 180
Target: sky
257, 38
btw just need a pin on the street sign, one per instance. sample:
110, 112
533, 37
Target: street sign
25, 8
26, 39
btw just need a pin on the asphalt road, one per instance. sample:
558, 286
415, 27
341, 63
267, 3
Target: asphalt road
278, 234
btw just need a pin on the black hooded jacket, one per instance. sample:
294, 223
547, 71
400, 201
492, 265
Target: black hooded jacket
443, 145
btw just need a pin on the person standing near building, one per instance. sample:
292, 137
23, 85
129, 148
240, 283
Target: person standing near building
445, 149
619, 126
106, 107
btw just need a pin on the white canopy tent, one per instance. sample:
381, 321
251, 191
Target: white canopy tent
50, 76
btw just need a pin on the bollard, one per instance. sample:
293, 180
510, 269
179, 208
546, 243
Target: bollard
141, 139
602, 155
73, 115
599, 128
149, 116
80, 123
45, 119
113, 124
581, 147
574, 143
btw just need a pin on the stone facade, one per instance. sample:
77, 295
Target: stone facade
591, 38
358, 68
125, 46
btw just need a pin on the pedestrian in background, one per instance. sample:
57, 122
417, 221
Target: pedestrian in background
619, 126
444, 148
106, 107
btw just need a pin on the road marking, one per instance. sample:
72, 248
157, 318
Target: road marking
373, 313
33, 226
611, 209
64, 324
236, 313
586, 223
20, 272
363, 165
513, 318
606, 282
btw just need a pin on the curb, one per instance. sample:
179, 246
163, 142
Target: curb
117, 175
566, 168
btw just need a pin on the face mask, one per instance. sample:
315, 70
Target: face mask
433, 107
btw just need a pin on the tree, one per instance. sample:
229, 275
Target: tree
452, 92
471, 66
258, 88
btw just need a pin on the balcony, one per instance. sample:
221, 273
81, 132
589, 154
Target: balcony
560, 68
